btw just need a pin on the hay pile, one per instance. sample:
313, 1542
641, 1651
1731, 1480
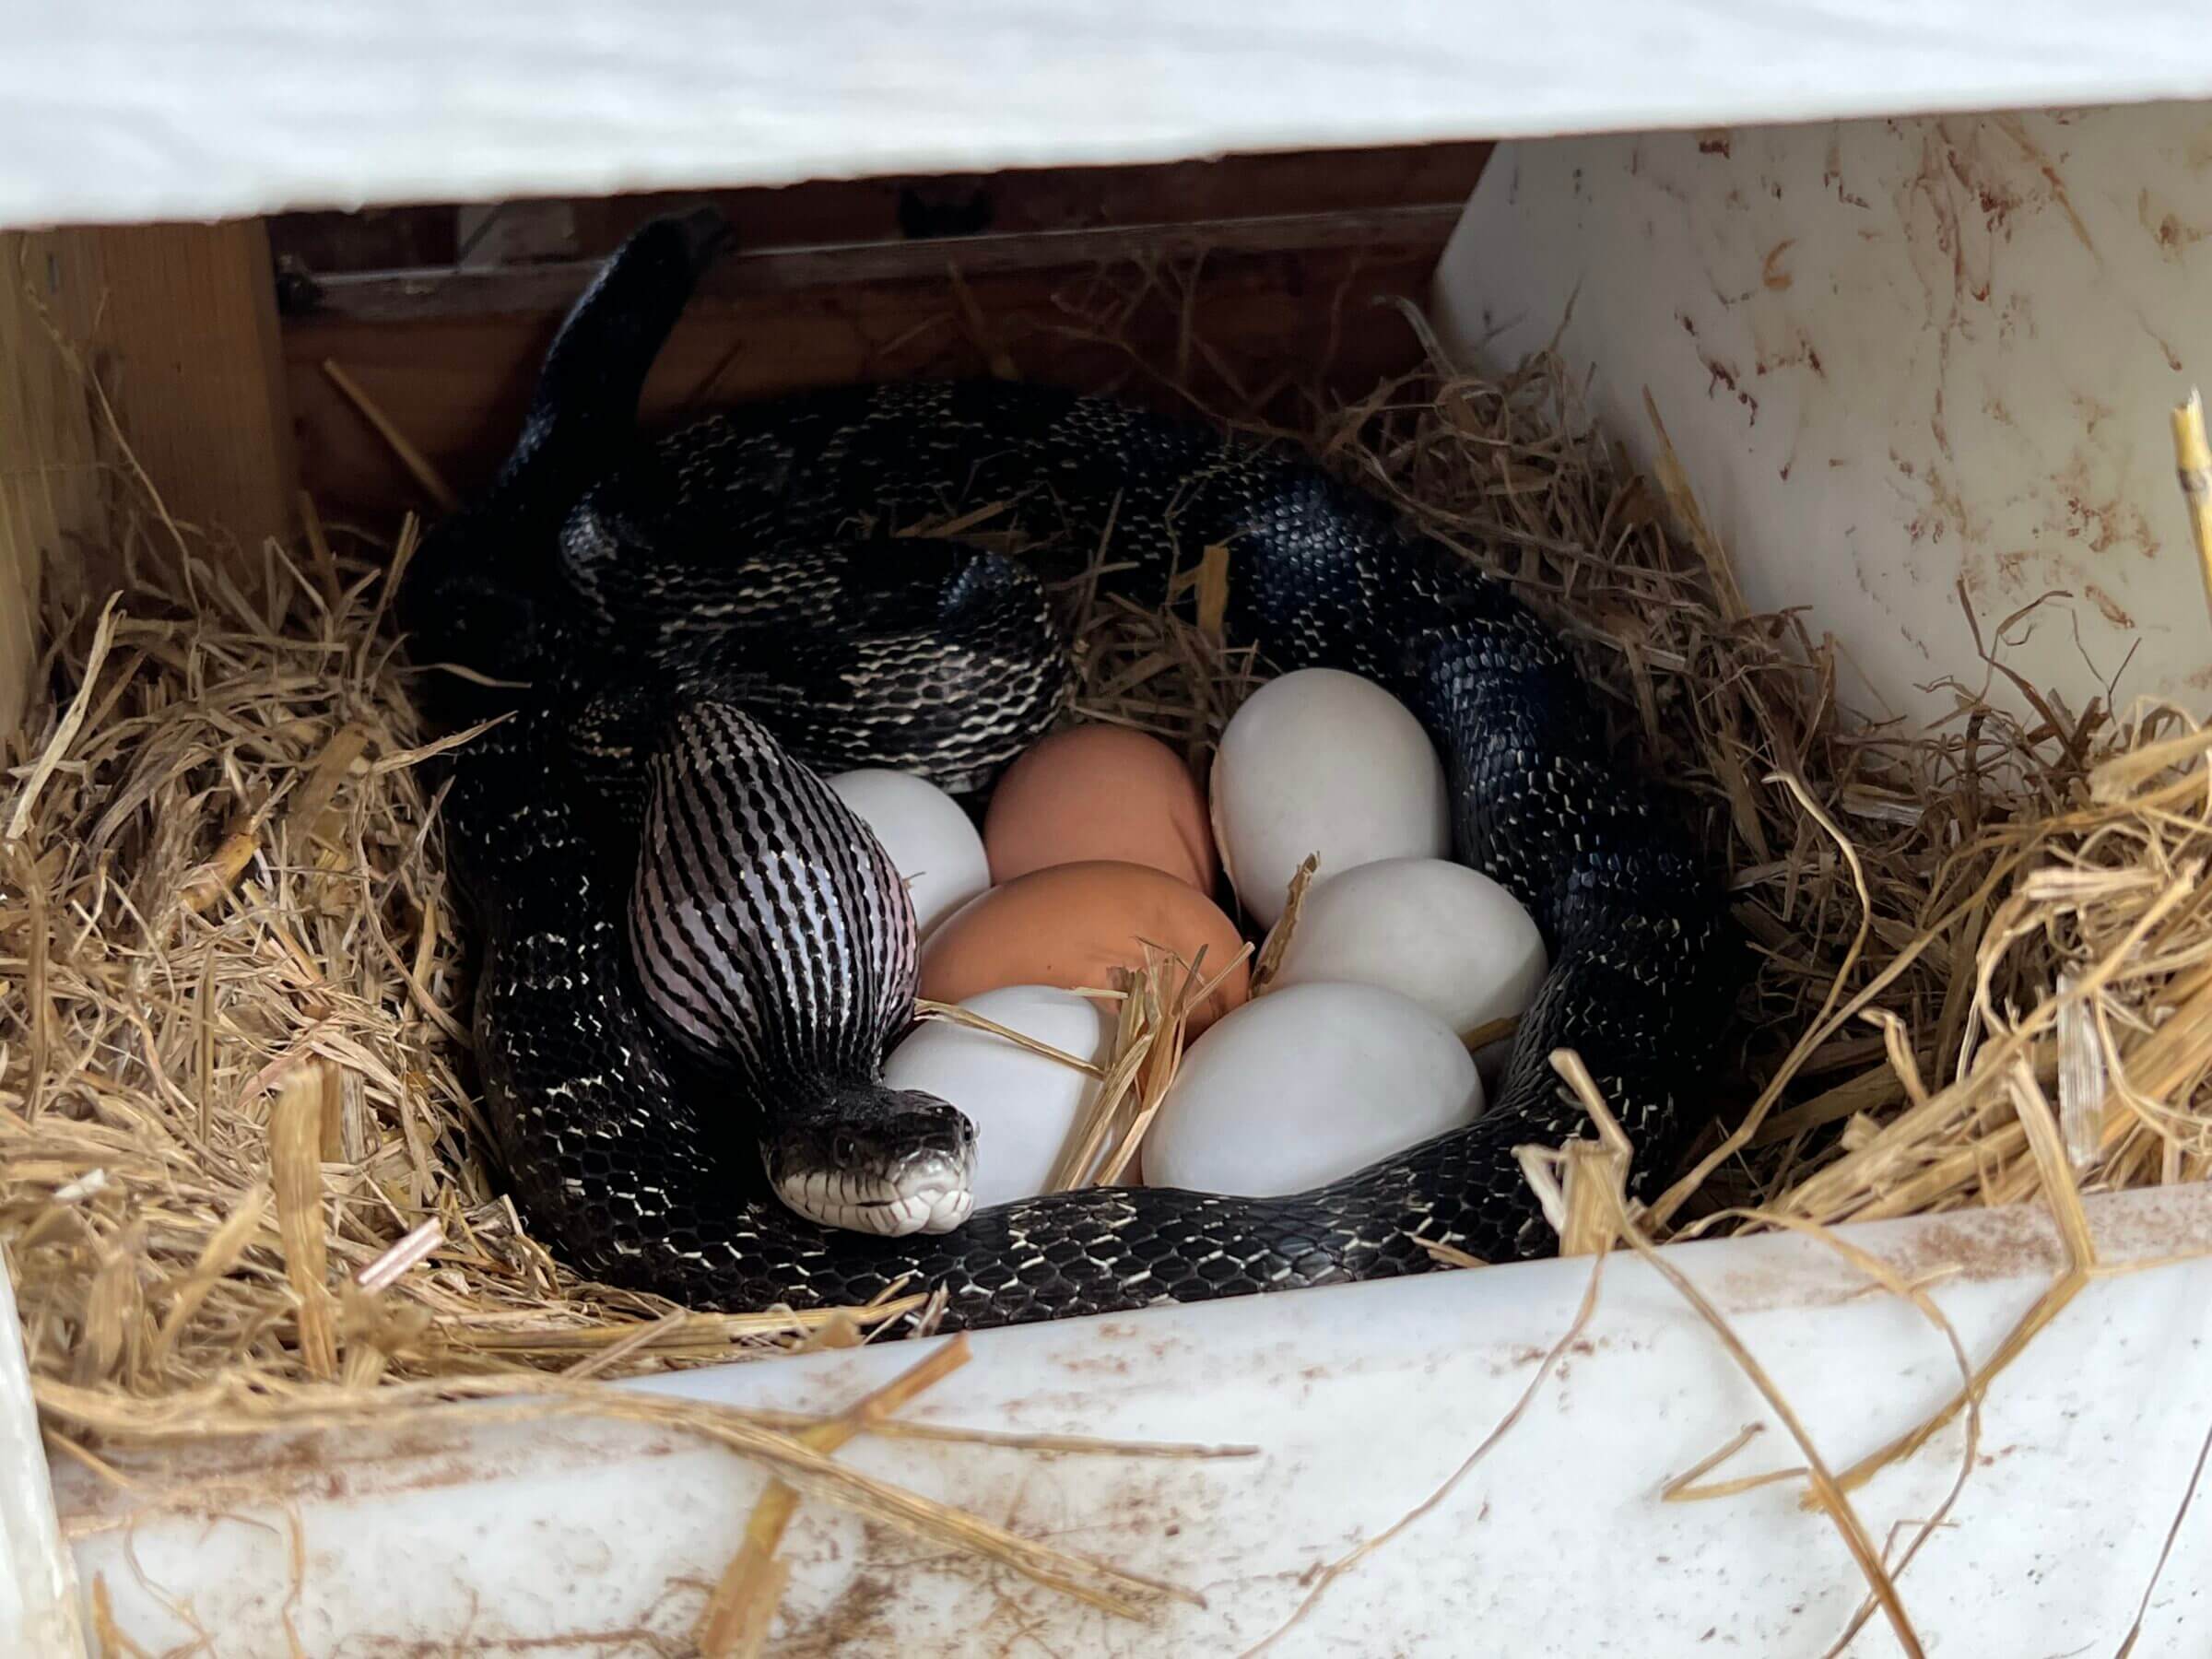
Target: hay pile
242, 1183
224, 868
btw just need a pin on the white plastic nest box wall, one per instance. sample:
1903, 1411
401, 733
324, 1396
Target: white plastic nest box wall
1899, 361
555, 1539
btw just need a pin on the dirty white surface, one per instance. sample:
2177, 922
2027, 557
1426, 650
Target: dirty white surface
561, 1539
126, 110
1897, 358
38, 1594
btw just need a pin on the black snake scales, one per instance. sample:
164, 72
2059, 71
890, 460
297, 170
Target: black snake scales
693, 956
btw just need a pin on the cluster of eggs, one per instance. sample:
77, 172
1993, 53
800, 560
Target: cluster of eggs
1099, 843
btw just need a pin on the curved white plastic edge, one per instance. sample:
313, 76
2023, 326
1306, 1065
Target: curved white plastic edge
551, 1536
118, 110
38, 1592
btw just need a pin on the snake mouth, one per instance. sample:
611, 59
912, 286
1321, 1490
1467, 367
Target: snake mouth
933, 1195
876, 1160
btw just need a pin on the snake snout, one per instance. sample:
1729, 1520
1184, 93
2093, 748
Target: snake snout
878, 1161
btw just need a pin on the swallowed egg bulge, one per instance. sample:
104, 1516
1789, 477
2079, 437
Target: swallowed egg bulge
927, 837
1322, 762
1024, 1105
1100, 792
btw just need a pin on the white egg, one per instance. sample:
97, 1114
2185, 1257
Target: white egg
1449, 937
1307, 1085
1322, 762
1022, 1104
929, 839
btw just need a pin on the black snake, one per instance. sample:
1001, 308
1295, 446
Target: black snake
694, 957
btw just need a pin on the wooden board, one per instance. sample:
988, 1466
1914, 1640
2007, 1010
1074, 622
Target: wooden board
182, 335
450, 356
163, 337
49, 486
906, 207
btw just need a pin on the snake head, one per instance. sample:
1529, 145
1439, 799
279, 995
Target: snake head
875, 1161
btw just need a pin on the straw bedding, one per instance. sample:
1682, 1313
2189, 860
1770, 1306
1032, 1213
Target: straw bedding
240, 1170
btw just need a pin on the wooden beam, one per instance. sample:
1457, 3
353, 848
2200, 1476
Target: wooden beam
450, 356
449, 296
49, 485
183, 336
835, 211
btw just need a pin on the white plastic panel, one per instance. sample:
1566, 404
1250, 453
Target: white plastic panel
555, 1539
38, 1594
1894, 357
126, 110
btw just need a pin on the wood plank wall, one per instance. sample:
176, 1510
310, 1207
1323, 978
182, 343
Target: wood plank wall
48, 490
1083, 277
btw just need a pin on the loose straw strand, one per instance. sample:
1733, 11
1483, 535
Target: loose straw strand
2192, 463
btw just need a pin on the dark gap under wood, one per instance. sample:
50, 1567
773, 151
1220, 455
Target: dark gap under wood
893, 209
450, 355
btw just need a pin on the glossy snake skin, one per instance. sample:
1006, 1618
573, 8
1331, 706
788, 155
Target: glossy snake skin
739, 583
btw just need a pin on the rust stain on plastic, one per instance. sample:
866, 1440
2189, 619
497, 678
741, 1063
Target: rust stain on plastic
2100, 519
2108, 606
864, 1613
2013, 128
1725, 374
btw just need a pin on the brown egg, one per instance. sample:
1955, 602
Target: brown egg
1100, 792
1071, 925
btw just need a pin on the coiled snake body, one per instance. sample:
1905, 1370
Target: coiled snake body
694, 957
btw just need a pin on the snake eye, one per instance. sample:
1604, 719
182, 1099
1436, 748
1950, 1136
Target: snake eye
843, 1150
